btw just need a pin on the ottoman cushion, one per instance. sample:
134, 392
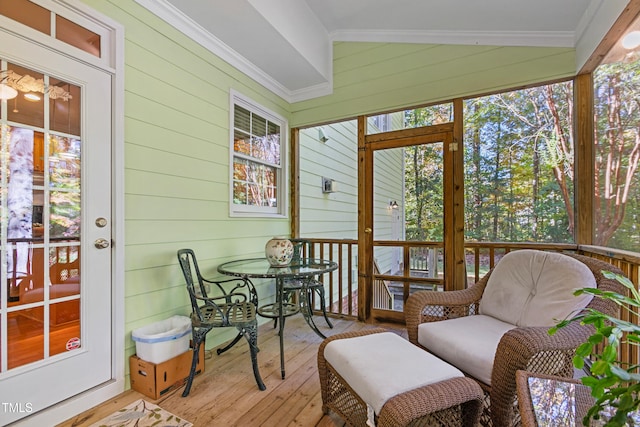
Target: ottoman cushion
382, 365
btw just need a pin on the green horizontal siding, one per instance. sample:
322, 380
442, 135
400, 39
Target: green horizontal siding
370, 77
177, 165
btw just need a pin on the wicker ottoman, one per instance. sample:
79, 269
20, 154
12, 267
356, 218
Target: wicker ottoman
375, 377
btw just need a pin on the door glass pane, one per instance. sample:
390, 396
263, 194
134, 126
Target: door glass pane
410, 119
27, 13
64, 272
78, 36
64, 326
25, 339
64, 106
40, 238
28, 107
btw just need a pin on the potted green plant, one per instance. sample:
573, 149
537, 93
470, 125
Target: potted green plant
614, 385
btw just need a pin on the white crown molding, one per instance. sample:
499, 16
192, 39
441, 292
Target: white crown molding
311, 92
489, 38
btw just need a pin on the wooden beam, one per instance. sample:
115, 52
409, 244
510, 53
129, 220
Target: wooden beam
396, 135
426, 138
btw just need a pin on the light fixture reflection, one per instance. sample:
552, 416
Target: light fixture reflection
631, 40
7, 92
32, 97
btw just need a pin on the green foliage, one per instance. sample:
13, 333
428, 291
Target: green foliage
519, 164
613, 384
513, 152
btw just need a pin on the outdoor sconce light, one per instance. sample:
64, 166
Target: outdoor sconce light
329, 185
321, 135
631, 40
393, 205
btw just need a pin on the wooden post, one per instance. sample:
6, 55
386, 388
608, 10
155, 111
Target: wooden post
583, 159
365, 223
457, 239
294, 178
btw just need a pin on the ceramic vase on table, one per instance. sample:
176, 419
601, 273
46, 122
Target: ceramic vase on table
279, 251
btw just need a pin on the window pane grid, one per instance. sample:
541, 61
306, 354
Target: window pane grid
256, 161
254, 184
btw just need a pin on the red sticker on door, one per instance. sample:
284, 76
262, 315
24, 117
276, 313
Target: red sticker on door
73, 343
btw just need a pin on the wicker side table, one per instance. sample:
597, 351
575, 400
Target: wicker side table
451, 402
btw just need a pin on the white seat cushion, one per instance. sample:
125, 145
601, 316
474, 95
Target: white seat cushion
380, 366
469, 343
535, 288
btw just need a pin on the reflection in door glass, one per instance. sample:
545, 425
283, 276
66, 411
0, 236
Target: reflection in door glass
27, 108
40, 206
64, 107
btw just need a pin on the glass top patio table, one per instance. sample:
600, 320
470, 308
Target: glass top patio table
306, 268
260, 268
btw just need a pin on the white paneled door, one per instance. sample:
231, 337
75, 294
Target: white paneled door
55, 236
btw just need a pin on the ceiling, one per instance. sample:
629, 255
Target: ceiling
286, 45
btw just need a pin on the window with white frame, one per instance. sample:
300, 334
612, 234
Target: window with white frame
258, 151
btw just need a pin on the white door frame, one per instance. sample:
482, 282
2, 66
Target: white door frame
113, 62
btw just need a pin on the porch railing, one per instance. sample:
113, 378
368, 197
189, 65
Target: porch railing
342, 284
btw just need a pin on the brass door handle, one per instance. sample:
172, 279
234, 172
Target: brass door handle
101, 243
368, 230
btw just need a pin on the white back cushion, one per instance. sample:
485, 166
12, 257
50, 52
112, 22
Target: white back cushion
535, 288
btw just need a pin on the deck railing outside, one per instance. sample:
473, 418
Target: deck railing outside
342, 285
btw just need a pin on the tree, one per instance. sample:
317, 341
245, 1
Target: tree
511, 151
617, 150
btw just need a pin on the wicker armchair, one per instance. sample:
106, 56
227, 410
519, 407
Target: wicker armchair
528, 348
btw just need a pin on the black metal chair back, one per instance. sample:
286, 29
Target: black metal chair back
219, 304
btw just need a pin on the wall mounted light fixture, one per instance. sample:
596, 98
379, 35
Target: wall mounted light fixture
329, 185
322, 136
631, 40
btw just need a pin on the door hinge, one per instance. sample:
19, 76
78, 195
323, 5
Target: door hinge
453, 146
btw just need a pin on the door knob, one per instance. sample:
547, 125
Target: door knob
367, 230
101, 243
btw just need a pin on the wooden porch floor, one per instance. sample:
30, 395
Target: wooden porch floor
226, 393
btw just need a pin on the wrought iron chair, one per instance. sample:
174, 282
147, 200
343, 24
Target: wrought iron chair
228, 308
305, 287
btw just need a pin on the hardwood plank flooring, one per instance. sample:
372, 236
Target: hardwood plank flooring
226, 393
